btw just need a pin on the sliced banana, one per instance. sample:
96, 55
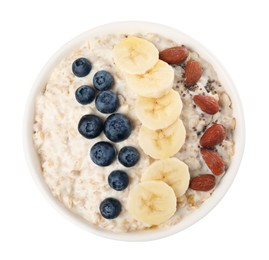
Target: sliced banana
154, 83
172, 171
159, 113
162, 143
134, 55
152, 202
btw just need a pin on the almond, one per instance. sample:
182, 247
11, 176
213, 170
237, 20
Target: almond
214, 135
207, 104
174, 55
193, 72
203, 182
213, 161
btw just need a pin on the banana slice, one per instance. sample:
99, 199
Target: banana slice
134, 55
159, 113
154, 83
172, 171
162, 143
152, 202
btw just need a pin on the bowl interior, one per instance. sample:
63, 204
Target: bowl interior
130, 28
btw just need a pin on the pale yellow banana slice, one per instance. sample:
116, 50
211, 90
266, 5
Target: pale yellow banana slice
152, 202
154, 83
172, 171
163, 143
134, 55
159, 113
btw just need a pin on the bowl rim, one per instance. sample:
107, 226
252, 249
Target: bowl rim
129, 27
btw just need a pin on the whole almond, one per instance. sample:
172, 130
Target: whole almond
203, 182
193, 72
207, 104
213, 135
213, 161
174, 55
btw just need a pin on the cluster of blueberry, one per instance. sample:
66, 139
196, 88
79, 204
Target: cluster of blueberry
116, 127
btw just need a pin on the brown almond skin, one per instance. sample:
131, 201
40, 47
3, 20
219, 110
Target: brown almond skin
193, 72
207, 104
213, 161
174, 55
213, 135
203, 182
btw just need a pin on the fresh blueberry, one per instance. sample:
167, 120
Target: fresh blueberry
103, 153
103, 80
107, 102
128, 156
118, 180
90, 126
85, 94
81, 67
117, 127
110, 208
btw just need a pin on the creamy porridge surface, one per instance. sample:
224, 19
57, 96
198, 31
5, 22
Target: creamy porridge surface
64, 154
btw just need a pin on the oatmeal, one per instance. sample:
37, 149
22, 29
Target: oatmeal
82, 181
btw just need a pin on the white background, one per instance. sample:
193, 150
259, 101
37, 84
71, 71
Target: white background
235, 31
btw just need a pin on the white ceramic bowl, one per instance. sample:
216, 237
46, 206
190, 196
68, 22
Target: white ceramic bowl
129, 28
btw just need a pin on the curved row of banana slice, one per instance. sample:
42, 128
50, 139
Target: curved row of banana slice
162, 133
158, 106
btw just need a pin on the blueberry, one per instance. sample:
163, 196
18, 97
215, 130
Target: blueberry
118, 180
107, 102
128, 156
81, 67
90, 126
110, 208
85, 94
103, 80
117, 127
103, 153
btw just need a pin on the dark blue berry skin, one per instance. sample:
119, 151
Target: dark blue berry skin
85, 94
107, 102
118, 180
103, 153
81, 67
128, 156
117, 127
103, 80
90, 126
110, 208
